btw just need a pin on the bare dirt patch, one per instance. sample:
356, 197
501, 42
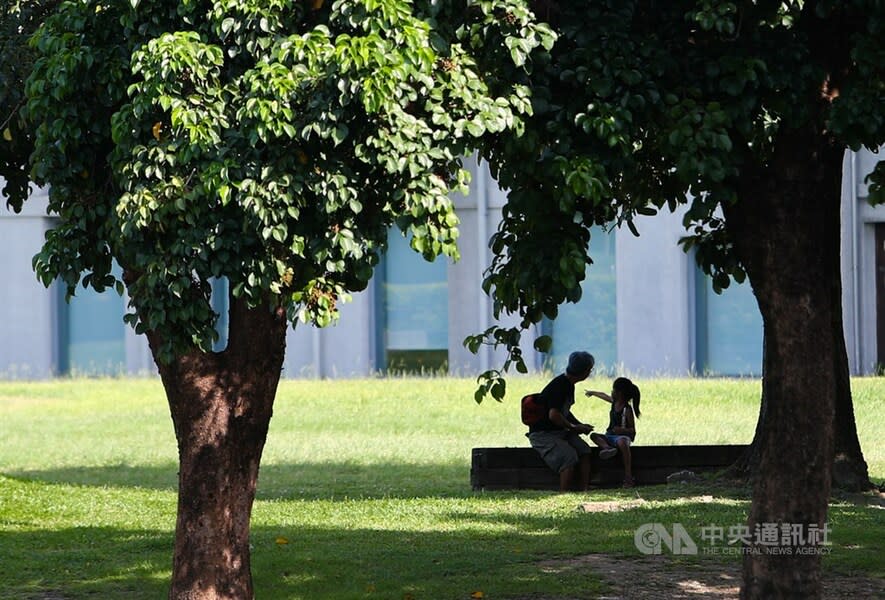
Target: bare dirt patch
662, 578
610, 505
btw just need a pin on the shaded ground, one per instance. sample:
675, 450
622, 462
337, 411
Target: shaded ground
661, 578
665, 577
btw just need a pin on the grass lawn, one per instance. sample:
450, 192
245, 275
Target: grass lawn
364, 490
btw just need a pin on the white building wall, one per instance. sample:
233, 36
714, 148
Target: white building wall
139, 360
470, 309
859, 220
28, 344
342, 350
655, 298
468, 312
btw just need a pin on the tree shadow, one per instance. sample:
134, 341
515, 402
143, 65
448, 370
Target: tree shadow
288, 562
105, 562
383, 550
446, 550
345, 479
304, 481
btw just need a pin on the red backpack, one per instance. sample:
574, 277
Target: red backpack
533, 409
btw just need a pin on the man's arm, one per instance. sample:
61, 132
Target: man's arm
557, 418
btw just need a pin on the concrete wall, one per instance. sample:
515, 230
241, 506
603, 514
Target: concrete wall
350, 348
859, 262
655, 296
342, 350
470, 309
28, 344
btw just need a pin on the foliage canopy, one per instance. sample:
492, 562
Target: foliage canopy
272, 142
18, 21
643, 105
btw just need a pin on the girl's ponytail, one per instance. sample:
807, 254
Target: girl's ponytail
630, 391
636, 396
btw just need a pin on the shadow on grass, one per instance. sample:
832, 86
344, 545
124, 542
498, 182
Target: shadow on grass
334, 481
102, 562
478, 542
386, 550
310, 481
333, 563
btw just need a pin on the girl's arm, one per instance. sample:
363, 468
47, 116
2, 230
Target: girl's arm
600, 395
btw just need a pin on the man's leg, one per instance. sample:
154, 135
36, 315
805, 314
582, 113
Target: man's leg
582, 450
584, 471
566, 476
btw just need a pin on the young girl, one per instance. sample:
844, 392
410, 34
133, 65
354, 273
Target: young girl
622, 425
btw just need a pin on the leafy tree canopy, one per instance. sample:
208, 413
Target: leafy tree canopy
642, 105
18, 21
272, 142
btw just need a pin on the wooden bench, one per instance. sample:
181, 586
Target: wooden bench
523, 468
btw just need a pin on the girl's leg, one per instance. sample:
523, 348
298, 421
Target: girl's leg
599, 440
624, 447
606, 449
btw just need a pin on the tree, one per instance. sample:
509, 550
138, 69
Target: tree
18, 21
269, 142
742, 113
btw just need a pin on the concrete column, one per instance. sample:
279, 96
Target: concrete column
29, 327
654, 305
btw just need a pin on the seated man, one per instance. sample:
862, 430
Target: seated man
556, 437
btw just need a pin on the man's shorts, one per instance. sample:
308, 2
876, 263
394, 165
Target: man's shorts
559, 449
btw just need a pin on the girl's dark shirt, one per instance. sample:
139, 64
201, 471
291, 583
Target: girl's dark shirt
558, 394
618, 419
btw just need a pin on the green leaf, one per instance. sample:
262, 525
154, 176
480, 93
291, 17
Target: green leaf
339, 134
543, 343
632, 227
498, 389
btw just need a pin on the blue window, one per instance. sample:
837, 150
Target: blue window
414, 313
93, 333
221, 305
590, 324
729, 329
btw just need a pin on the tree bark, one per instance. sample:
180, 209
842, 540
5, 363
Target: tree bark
806, 159
849, 466
787, 234
221, 405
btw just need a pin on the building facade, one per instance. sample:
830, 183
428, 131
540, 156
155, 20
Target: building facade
646, 310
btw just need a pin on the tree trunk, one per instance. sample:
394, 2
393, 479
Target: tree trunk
221, 405
801, 189
786, 231
849, 467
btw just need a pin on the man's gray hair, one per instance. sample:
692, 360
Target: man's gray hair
579, 363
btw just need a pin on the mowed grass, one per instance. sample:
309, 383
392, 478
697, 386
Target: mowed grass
364, 490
